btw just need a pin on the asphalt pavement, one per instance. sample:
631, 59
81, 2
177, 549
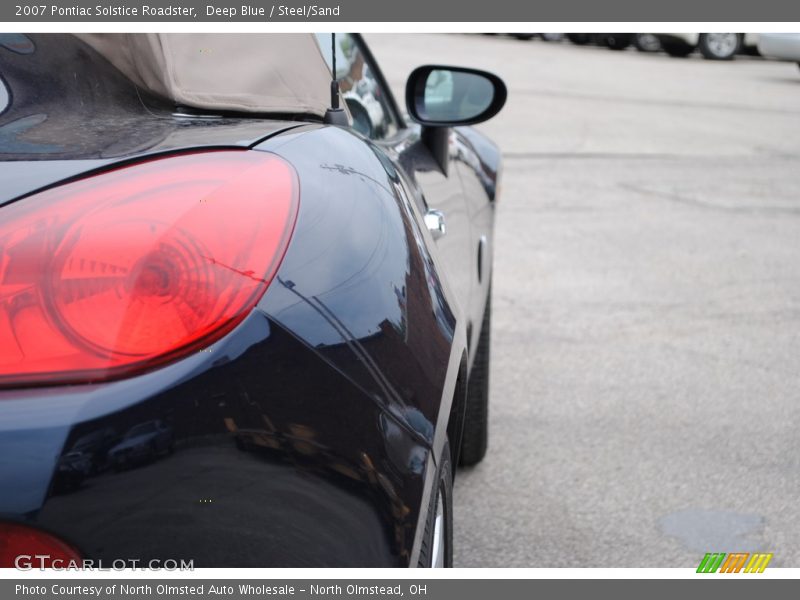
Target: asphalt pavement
645, 401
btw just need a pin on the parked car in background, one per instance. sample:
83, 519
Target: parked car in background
646, 42
783, 46
203, 249
713, 46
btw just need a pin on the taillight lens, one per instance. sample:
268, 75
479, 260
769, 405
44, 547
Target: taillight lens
24, 547
125, 270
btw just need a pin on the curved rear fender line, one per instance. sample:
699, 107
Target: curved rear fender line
329, 159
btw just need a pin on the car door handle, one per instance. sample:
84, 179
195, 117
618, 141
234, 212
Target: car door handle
434, 220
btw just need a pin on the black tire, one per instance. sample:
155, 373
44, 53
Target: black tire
523, 36
618, 41
646, 42
581, 39
475, 438
677, 49
552, 37
712, 48
444, 490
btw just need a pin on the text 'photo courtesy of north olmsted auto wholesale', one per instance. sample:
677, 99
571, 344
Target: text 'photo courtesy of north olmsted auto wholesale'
298, 297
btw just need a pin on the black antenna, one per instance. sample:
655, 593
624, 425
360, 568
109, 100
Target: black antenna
335, 115
334, 82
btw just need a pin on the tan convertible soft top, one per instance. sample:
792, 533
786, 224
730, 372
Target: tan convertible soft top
251, 72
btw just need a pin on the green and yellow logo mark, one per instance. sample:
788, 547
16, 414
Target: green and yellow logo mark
734, 563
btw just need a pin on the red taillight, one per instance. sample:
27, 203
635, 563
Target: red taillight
122, 271
26, 548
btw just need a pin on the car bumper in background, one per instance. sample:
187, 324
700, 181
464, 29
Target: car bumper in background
784, 46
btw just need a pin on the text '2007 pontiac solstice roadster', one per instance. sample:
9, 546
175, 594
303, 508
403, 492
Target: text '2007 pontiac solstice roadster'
244, 309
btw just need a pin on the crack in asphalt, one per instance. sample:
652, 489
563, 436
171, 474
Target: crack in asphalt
715, 106
696, 203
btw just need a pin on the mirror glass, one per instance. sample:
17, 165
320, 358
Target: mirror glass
452, 96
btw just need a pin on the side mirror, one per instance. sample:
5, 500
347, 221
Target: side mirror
439, 96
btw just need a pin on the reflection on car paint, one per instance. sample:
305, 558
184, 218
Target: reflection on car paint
13, 136
304, 436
